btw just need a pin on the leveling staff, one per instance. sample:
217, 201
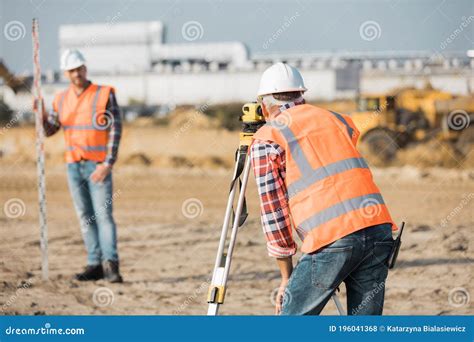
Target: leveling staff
310, 175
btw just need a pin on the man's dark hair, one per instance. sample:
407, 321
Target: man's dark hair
288, 96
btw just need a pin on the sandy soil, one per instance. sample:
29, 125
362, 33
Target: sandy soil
168, 250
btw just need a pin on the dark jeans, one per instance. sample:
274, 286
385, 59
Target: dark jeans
360, 260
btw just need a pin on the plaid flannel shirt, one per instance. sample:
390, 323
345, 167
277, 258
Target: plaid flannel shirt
52, 124
269, 166
268, 162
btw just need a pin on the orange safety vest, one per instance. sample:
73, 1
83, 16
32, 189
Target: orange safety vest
331, 192
85, 122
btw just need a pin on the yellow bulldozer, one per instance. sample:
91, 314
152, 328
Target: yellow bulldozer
393, 120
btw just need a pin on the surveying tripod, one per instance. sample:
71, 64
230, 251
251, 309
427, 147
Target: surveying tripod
252, 119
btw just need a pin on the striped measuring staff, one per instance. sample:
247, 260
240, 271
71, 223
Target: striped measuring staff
40, 150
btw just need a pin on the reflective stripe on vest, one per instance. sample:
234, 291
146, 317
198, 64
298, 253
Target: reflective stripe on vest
341, 208
309, 176
95, 125
330, 187
78, 127
82, 119
95, 115
61, 101
88, 148
350, 131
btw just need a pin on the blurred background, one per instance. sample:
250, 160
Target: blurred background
411, 61
182, 69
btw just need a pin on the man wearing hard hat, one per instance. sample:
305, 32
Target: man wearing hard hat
311, 176
90, 118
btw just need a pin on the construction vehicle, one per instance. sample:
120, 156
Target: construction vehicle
388, 122
16, 83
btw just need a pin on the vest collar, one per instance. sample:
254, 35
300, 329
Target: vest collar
284, 107
85, 89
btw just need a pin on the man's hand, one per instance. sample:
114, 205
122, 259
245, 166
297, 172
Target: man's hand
100, 173
286, 268
280, 296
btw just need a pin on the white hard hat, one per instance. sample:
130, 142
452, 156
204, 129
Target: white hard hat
72, 59
280, 78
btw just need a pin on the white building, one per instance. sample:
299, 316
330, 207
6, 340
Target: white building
134, 58
114, 48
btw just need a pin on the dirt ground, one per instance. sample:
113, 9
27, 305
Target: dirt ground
170, 198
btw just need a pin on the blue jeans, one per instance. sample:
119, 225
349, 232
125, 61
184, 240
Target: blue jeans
93, 203
360, 260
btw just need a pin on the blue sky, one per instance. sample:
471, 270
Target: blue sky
319, 25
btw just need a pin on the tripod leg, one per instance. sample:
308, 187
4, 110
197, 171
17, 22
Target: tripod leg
227, 218
218, 273
223, 261
238, 211
222, 268
340, 309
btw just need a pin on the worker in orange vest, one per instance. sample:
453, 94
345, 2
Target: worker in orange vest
311, 176
90, 118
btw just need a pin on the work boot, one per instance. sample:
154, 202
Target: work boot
111, 272
91, 272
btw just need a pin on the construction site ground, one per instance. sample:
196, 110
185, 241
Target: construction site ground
167, 249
